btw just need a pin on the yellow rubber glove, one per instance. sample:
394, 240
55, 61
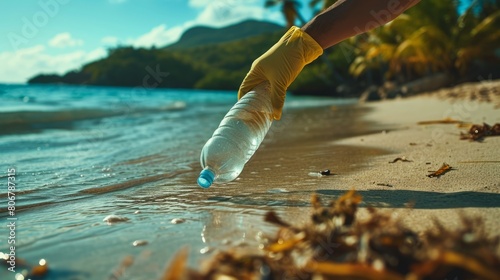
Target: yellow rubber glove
280, 65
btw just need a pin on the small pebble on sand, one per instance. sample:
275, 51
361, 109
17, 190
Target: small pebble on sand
112, 219
139, 243
177, 221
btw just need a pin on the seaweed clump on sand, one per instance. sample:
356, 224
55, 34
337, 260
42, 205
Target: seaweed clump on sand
335, 245
478, 132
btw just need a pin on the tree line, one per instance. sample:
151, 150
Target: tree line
431, 38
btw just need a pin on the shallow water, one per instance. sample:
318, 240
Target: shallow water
83, 153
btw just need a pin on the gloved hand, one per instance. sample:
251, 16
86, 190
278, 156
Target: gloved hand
280, 65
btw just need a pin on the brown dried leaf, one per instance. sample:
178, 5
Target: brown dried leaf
350, 271
442, 170
443, 121
176, 269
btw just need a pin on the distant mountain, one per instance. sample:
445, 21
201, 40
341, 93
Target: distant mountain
203, 35
205, 64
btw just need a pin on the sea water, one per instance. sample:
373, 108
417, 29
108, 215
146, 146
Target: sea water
80, 154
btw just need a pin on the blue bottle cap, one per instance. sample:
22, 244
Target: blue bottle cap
206, 178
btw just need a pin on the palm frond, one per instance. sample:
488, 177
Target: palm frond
487, 25
271, 3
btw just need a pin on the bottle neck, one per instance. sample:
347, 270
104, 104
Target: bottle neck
206, 178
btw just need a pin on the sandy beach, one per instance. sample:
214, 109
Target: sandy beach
283, 174
471, 188
356, 142
388, 167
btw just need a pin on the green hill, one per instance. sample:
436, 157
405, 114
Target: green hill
202, 35
204, 57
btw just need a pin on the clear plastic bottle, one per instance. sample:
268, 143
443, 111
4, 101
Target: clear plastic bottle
237, 138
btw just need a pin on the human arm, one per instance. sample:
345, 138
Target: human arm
347, 18
283, 62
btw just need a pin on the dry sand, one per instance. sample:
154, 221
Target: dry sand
472, 188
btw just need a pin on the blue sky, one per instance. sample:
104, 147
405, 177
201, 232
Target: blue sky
55, 36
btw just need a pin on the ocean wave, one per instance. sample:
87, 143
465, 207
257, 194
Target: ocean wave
33, 117
29, 121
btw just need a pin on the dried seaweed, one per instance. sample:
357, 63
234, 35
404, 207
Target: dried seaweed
442, 170
177, 267
478, 132
334, 245
402, 159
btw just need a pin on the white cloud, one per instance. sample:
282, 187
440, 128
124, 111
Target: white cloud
222, 13
20, 65
110, 40
158, 36
216, 13
63, 40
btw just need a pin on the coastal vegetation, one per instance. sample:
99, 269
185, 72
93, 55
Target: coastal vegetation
431, 38
189, 63
435, 43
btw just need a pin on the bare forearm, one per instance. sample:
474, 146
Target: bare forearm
347, 18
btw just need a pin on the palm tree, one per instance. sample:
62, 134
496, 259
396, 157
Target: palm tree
487, 7
289, 9
432, 37
478, 40
467, 39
